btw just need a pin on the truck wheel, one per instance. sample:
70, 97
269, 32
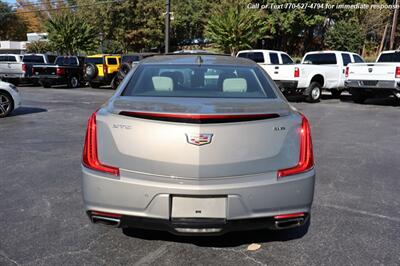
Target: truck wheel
73, 82
94, 85
115, 83
358, 96
336, 93
6, 104
313, 92
45, 84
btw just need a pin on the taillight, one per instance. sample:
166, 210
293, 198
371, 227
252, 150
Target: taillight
306, 157
296, 72
23, 67
397, 72
59, 71
90, 158
105, 69
346, 72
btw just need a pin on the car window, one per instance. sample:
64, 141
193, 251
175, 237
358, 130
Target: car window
320, 59
3, 58
257, 57
94, 60
204, 81
33, 59
346, 59
12, 59
286, 60
358, 59
273, 57
389, 57
112, 61
66, 61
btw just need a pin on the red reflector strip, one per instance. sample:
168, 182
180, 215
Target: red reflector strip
199, 118
290, 215
106, 214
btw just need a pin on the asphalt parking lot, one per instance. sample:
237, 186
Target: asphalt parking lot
355, 217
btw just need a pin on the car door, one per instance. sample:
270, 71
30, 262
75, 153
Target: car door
113, 63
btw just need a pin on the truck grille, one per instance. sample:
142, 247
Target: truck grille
369, 82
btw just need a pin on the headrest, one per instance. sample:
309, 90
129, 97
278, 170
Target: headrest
234, 85
163, 83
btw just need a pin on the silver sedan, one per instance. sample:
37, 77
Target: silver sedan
198, 144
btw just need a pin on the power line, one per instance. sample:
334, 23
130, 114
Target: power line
61, 8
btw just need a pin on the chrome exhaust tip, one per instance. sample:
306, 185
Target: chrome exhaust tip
289, 223
108, 221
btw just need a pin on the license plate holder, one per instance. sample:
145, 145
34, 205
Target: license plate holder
198, 207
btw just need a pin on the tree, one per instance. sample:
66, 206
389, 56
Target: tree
345, 36
233, 26
69, 34
11, 26
39, 47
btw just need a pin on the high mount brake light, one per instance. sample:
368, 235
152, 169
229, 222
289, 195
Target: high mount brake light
306, 157
90, 157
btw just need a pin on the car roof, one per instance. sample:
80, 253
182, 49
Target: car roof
390, 51
329, 51
260, 50
193, 59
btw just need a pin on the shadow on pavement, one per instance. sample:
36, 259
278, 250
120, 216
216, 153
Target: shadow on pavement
232, 239
386, 101
27, 110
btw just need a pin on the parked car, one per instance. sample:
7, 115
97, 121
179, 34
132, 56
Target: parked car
127, 62
279, 66
375, 79
198, 144
10, 98
102, 69
319, 70
17, 68
65, 70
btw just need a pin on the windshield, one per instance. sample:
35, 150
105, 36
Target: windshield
33, 59
389, 57
199, 81
66, 61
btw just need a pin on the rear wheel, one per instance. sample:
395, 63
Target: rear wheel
94, 85
358, 96
73, 82
313, 92
6, 104
45, 84
336, 93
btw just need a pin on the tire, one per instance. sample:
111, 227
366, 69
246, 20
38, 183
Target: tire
336, 93
6, 104
45, 84
73, 82
124, 69
91, 71
94, 85
358, 96
313, 92
115, 82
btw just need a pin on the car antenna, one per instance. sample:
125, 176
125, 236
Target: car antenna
199, 60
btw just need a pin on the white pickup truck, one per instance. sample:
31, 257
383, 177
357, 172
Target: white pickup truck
375, 79
319, 70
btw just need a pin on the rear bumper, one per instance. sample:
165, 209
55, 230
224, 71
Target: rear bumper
373, 84
54, 80
145, 201
104, 80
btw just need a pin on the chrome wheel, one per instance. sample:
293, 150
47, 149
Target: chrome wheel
74, 82
315, 93
5, 105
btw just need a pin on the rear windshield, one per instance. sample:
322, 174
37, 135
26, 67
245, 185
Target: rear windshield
199, 81
257, 57
33, 59
130, 58
94, 60
389, 57
66, 61
320, 59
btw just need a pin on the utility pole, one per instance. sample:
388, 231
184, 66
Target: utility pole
167, 25
394, 26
